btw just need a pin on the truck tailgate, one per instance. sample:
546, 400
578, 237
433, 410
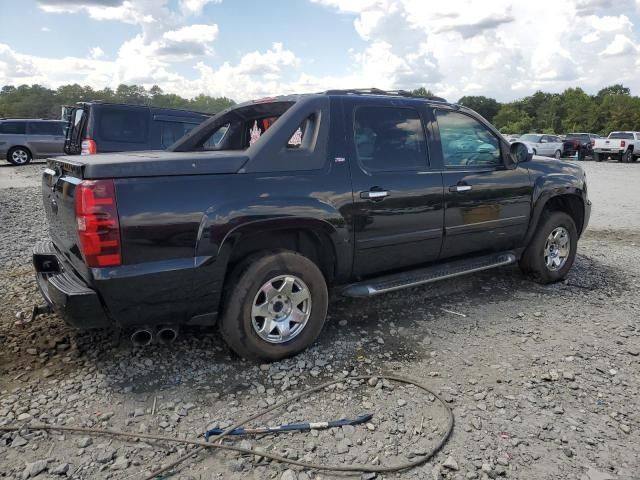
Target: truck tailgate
59, 182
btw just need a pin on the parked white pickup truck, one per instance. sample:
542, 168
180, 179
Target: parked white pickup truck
621, 146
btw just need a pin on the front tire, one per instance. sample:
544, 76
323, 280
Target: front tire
19, 156
552, 251
276, 306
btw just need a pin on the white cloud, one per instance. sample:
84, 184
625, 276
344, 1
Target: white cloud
45, 29
194, 7
193, 33
96, 53
503, 48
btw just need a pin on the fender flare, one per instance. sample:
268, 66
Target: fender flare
542, 196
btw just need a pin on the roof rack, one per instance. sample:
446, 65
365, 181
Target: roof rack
378, 91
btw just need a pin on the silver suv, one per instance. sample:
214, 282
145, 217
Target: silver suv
22, 140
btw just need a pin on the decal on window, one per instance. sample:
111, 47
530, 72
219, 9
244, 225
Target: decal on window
296, 138
254, 133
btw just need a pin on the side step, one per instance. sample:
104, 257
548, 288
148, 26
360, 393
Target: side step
412, 278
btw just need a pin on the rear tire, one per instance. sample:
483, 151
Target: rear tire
626, 156
271, 284
552, 250
558, 154
596, 157
19, 156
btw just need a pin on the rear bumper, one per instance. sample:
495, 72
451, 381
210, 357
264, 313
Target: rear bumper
65, 292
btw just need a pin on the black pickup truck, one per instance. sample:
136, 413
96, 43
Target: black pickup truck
253, 216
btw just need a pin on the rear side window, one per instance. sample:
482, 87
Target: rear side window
621, 136
46, 128
466, 141
170, 132
16, 128
129, 126
389, 139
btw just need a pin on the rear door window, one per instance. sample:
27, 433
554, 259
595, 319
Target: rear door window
46, 128
14, 128
389, 139
124, 125
170, 132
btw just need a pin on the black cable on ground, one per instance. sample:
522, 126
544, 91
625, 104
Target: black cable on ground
248, 451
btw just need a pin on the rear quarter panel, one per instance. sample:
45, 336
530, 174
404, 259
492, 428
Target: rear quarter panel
178, 232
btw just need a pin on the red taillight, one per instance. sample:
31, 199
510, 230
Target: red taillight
97, 221
89, 147
623, 143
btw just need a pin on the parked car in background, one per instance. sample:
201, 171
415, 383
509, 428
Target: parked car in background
546, 145
580, 143
101, 127
511, 137
22, 140
621, 146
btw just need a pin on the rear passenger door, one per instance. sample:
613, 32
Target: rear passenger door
487, 205
397, 214
46, 138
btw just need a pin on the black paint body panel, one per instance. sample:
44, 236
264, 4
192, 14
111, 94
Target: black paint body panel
182, 213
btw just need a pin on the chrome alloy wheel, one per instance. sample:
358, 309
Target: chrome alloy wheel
281, 309
19, 156
557, 249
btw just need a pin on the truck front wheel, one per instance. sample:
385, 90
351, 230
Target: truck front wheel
552, 251
275, 307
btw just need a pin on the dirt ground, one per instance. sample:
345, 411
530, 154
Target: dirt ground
543, 380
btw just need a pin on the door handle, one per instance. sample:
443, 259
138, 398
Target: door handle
459, 188
374, 194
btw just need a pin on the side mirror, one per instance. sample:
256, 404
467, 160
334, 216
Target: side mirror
520, 152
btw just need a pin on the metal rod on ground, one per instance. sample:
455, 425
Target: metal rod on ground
272, 456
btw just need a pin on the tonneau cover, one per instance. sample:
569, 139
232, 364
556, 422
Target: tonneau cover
155, 163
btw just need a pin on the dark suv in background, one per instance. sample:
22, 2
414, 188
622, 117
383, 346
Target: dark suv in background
580, 143
100, 127
22, 140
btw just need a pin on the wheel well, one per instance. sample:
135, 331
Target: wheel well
569, 204
314, 245
19, 146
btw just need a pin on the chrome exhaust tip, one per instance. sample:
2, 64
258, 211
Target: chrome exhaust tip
167, 334
142, 337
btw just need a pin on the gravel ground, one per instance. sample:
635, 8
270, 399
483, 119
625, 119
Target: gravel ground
543, 380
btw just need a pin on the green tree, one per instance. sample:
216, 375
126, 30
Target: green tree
487, 107
511, 118
579, 111
422, 92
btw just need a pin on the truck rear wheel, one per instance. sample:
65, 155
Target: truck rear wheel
627, 156
552, 251
276, 306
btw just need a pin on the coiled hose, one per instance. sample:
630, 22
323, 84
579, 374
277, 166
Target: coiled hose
272, 456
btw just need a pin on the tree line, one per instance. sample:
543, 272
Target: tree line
36, 101
612, 108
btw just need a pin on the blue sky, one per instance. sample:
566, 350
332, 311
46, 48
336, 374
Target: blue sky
247, 48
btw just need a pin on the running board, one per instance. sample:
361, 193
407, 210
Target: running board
413, 278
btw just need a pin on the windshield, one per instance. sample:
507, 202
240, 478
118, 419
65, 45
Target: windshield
621, 135
530, 138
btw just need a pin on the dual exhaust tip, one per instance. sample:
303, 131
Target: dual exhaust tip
145, 336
